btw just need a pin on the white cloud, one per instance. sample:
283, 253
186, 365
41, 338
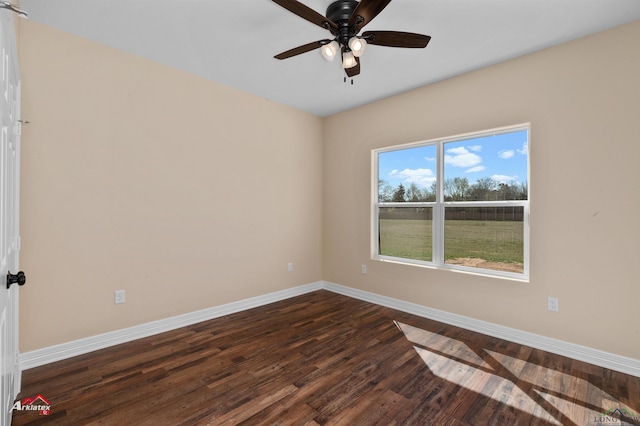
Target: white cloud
525, 148
475, 169
506, 153
393, 172
422, 177
476, 148
504, 178
458, 150
461, 157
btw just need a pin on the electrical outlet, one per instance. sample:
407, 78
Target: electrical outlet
552, 304
290, 267
364, 269
119, 297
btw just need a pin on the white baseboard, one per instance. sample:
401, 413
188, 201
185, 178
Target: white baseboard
78, 347
582, 353
66, 350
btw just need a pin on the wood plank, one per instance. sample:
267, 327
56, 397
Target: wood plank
324, 359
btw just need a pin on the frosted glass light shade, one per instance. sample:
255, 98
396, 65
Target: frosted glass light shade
357, 46
329, 51
348, 60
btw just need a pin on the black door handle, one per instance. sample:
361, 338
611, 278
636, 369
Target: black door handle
18, 278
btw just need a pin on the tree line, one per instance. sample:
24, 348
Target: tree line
455, 189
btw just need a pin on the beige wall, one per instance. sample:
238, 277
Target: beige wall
185, 193
583, 101
188, 194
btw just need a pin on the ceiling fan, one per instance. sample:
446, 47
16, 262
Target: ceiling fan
344, 19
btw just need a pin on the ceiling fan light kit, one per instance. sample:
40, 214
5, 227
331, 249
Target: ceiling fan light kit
344, 19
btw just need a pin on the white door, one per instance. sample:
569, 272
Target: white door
9, 200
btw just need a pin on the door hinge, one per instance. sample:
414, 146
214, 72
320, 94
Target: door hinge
19, 124
17, 244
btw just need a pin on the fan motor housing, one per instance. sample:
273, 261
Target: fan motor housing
341, 10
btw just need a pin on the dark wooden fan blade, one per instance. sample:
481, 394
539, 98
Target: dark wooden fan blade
353, 70
365, 12
302, 49
307, 13
396, 39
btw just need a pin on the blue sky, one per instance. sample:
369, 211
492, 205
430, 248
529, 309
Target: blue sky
502, 157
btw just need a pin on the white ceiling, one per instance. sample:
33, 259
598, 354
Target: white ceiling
233, 41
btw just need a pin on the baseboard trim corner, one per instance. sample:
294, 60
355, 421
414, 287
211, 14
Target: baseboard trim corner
582, 353
66, 350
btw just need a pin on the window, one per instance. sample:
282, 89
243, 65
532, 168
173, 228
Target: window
458, 203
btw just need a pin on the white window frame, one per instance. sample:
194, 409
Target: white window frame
439, 206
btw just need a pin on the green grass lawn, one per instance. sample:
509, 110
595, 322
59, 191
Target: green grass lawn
406, 238
494, 241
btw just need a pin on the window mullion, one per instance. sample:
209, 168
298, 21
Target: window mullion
438, 213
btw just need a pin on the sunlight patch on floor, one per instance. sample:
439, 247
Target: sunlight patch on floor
513, 381
582, 401
433, 341
475, 380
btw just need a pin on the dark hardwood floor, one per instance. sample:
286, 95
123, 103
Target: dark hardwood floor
326, 359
